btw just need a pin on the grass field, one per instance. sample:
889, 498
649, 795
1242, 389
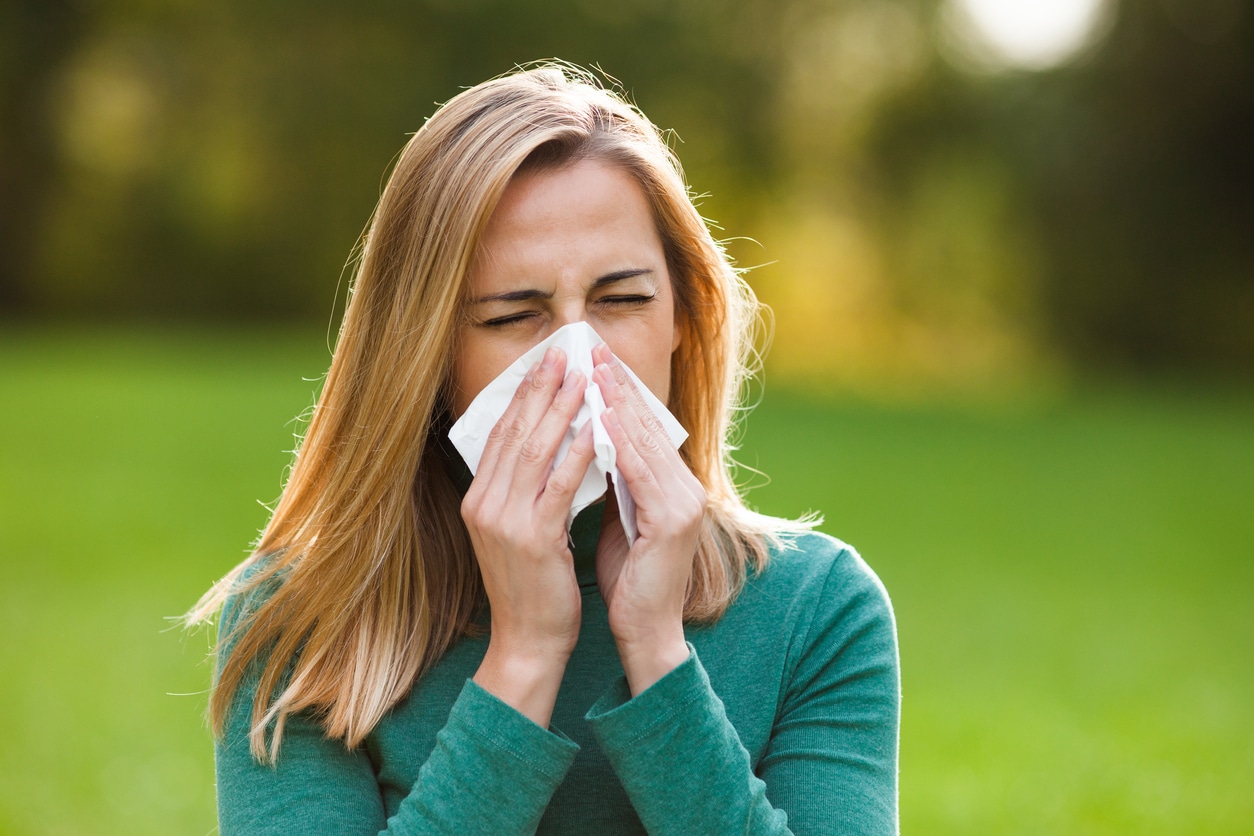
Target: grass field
1072, 579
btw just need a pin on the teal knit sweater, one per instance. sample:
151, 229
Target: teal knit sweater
784, 719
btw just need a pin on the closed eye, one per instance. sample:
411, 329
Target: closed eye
635, 300
512, 319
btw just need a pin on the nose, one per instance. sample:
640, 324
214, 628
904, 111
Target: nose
575, 310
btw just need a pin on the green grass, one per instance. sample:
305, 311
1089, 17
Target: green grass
1071, 578
1072, 587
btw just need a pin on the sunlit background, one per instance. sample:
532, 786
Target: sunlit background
1008, 249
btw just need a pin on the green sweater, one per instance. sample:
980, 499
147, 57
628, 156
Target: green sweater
784, 719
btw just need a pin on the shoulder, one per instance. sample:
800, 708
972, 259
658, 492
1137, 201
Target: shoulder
255, 583
842, 624
247, 640
822, 569
819, 599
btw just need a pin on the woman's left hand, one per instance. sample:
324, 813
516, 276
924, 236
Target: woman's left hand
645, 586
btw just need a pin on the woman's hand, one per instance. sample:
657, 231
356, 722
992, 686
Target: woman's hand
645, 586
516, 512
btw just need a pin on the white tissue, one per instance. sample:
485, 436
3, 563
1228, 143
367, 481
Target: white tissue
470, 434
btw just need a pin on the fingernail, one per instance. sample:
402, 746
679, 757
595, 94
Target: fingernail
550, 357
611, 418
572, 381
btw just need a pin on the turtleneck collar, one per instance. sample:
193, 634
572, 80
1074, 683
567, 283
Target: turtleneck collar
585, 533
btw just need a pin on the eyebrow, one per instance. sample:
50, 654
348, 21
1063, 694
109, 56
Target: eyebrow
534, 293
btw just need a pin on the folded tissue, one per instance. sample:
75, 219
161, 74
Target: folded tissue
470, 434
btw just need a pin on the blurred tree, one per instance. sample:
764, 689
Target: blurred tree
206, 160
36, 38
1136, 170
162, 158
1150, 213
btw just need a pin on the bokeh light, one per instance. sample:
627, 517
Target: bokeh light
1026, 34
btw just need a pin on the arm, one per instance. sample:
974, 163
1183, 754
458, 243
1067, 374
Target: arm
645, 583
494, 767
492, 771
515, 512
316, 785
832, 759
831, 764
680, 760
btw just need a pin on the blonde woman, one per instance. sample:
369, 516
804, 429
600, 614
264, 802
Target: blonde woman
411, 649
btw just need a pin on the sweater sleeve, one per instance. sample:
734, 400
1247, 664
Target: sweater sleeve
832, 758
679, 758
831, 763
492, 771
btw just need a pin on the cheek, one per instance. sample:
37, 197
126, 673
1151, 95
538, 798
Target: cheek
472, 370
460, 388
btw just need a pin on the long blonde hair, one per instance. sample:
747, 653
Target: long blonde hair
367, 570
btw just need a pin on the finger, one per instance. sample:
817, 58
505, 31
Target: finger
643, 430
531, 400
642, 478
668, 499
642, 427
492, 447
535, 456
625, 390
564, 481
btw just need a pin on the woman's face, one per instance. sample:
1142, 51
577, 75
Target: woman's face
577, 243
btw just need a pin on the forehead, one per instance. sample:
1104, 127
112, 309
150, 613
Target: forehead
588, 215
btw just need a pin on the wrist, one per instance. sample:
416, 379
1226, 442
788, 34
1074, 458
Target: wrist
647, 661
526, 679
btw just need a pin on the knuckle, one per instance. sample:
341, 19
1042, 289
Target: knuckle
513, 434
560, 482
648, 418
471, 512
539, 380
648, 444
699, 502
531, 451
529, 384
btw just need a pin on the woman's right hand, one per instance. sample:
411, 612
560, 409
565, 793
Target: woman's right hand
516, 512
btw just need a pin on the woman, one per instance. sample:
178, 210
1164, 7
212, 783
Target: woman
415, 650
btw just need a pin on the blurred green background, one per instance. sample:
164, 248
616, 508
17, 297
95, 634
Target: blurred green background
1008, 249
